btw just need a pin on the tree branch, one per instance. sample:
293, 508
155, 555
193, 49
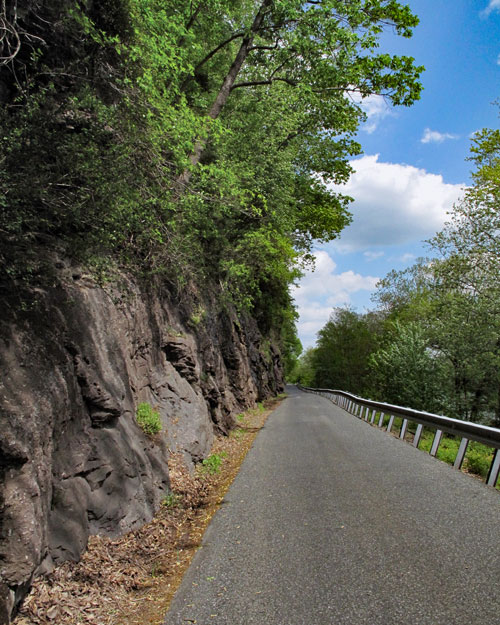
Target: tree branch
193, 17
215, 50
275, 47
257, 83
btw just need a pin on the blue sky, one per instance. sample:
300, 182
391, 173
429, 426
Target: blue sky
413, 166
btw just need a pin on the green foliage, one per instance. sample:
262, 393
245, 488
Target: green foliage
406, 371
148, 419
478, 458
303, 372
341, 358
448, 449
237, 433
119, 147
291, 345
212, 463
172, 500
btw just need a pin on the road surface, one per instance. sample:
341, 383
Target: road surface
334, 522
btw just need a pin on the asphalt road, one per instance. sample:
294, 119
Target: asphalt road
333, 522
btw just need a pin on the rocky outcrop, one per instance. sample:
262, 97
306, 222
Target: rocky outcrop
75, 363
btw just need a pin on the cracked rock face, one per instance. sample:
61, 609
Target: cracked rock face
73, 461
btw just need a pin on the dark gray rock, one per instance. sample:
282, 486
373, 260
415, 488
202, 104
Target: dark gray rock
75, 363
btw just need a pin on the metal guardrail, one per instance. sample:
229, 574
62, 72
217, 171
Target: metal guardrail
465, 429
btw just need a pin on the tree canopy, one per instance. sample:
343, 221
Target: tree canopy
195, 141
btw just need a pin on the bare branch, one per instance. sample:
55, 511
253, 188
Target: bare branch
10, 41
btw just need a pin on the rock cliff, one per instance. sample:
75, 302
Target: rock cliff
75, 362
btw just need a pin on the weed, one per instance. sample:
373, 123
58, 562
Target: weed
213, 463
172, 500
174, 332
237, 433
197, 316
148, 419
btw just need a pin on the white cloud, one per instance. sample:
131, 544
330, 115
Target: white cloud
407, 258
370, 255
393, 204
321, 290
375, 107
433, 136
498, 59
493, 5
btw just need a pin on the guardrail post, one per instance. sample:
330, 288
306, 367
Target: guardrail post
435, 443
374, 412
492, 478
381, 420
389, 425
461, 453
418, 434
403, 428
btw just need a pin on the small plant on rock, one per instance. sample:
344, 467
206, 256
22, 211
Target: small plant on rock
148, 419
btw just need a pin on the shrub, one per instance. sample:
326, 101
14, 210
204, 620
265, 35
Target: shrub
148, 419
478, 459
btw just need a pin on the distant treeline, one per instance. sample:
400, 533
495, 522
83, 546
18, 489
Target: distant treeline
433, 343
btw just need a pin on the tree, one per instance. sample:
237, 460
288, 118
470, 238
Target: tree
191, 141
407, 371
303, 373
325, 48
341, 357
454, 300
467, 279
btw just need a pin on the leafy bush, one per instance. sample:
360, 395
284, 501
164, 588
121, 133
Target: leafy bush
148, 419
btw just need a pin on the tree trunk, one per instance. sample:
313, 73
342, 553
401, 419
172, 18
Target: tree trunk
223, 94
